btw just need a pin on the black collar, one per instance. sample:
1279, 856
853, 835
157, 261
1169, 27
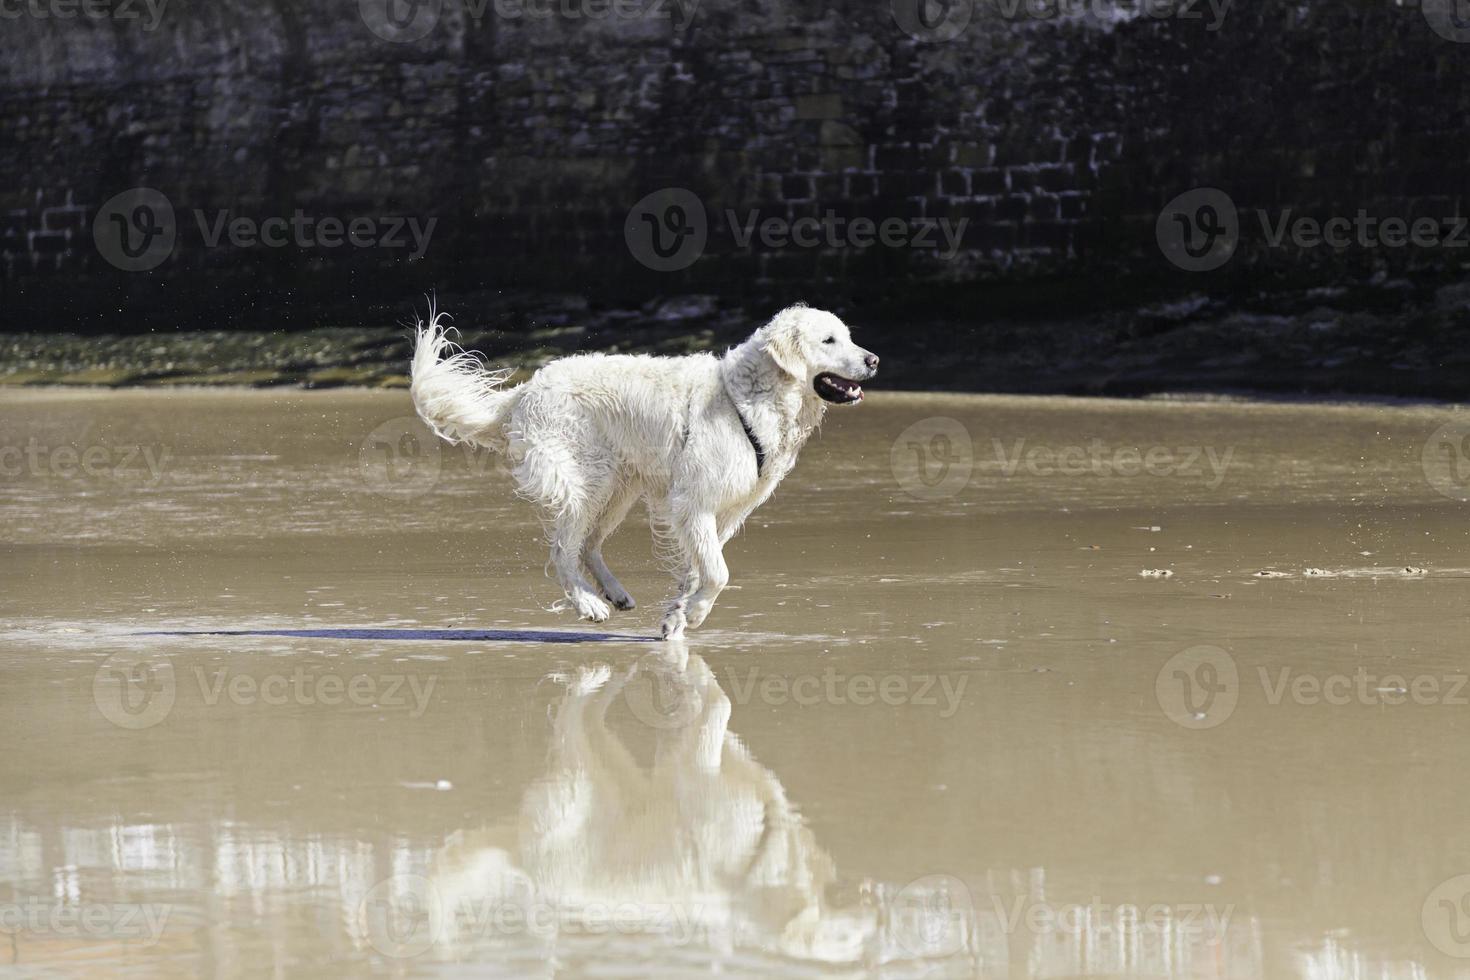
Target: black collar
760, 452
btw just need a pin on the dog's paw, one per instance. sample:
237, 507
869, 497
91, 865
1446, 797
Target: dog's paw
591, 608
672, 627
620, 600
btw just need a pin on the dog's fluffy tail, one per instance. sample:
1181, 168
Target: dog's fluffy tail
455, 395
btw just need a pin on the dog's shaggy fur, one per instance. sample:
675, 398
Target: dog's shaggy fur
590, 435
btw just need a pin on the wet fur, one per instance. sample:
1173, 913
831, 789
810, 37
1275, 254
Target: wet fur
588, 436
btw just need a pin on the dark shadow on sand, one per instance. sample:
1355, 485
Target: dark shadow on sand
379, 633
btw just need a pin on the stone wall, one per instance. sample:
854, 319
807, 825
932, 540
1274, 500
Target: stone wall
519, 141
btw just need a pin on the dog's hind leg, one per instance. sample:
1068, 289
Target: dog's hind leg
573, 490
569, 532
607, 522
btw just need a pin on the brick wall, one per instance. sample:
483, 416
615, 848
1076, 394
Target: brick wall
527, 139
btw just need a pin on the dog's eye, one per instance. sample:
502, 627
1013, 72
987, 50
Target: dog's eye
830, 340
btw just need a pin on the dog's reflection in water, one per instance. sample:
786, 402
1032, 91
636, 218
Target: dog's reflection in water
702, 845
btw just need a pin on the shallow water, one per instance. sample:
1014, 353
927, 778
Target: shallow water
284, 694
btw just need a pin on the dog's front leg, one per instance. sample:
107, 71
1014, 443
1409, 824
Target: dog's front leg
700, 539
675, 619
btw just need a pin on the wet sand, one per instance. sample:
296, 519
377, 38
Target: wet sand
1120, 688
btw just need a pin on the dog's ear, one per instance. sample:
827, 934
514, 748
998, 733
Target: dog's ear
783, 344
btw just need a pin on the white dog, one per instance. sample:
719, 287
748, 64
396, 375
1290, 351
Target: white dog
703, 440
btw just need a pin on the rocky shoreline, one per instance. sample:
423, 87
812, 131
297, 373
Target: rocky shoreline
1323, 342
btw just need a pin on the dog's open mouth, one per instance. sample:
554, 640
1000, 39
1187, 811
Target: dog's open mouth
837, 389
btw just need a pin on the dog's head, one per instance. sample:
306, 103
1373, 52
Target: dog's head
816, 348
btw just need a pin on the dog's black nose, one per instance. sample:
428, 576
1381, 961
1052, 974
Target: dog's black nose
871, 361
